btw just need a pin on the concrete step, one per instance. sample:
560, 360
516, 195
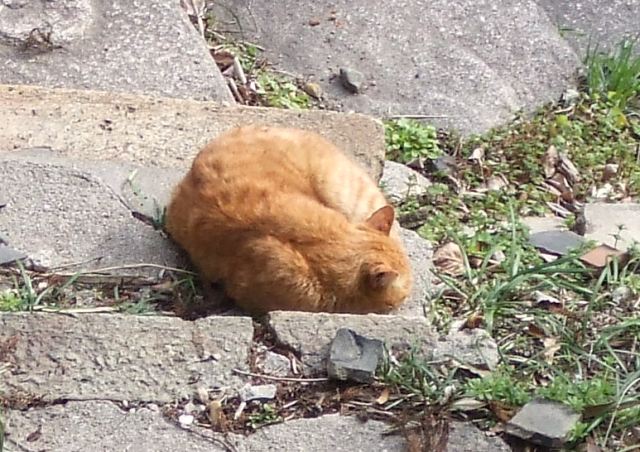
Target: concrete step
146, 47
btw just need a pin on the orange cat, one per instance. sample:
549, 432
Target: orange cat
286, 221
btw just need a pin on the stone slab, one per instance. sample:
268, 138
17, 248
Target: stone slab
470, 63
347, 433
60, 216
400, 183
159, 132
544, 422
146, 47
327, 433
541, 224
603, 220
123, 357
310, 335
604, 23
99, 426
420, 254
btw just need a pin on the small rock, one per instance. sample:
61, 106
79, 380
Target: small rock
186, 419
352, 80
190, 408
312, 89
610, 171
259, 392
153, 407
275, 364
314, 22
570, 97
353, 357
445, 164
202, 394
543, 422
400, 182
556, 242
9, 255
622, 294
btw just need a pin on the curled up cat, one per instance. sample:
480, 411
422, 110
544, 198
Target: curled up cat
284, 220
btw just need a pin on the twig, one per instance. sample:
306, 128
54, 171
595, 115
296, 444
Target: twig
234, 90
129, 266
270, 377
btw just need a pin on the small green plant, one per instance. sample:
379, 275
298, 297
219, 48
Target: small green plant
409, 139
266, 415
614, 77
500, 385
10, 301
281, 92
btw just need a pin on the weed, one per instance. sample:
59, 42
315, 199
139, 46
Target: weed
615, 78
408, 140
412, 374
267, 415
281, 92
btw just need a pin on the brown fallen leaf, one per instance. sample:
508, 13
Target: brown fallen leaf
497, 183
535, 331
215, 414
502, 411
566, 167
473, 321
384, 397
448, 259
550, 161
551, 346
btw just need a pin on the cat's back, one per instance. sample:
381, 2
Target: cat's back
283, 157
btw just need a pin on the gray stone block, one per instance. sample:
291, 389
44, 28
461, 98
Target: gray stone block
116, 45
100, 426
475, 62
543, 422
123, 357
159, 132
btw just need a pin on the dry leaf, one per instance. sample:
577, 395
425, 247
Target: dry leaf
477, 155
502, 411
566, 167
550, 161
384, 397
467, 404
551, 346
535, 331
473, 321
497, 183
448, 259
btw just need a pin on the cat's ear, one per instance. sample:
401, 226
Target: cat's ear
382, 219
380, 277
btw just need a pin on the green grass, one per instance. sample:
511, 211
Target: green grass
615, 77
578, 351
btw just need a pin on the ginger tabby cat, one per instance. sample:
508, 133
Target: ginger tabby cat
286, 221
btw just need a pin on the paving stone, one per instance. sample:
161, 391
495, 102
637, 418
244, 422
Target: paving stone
123, 357
327, 433
159, 132
540, 224
99, 426
505, 56
556, 242
400, 182
543, 422
604, 23
274, 364
115, 45
603, 220
61, 216
464, 437
311, 334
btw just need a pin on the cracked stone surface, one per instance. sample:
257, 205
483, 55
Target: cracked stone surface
400, 182
123, 357
159, 132
61, 216
420, 254
139, 47
475, 62
311, 335
99, 426
602, 22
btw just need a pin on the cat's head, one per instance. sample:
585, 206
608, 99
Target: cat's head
385, 272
